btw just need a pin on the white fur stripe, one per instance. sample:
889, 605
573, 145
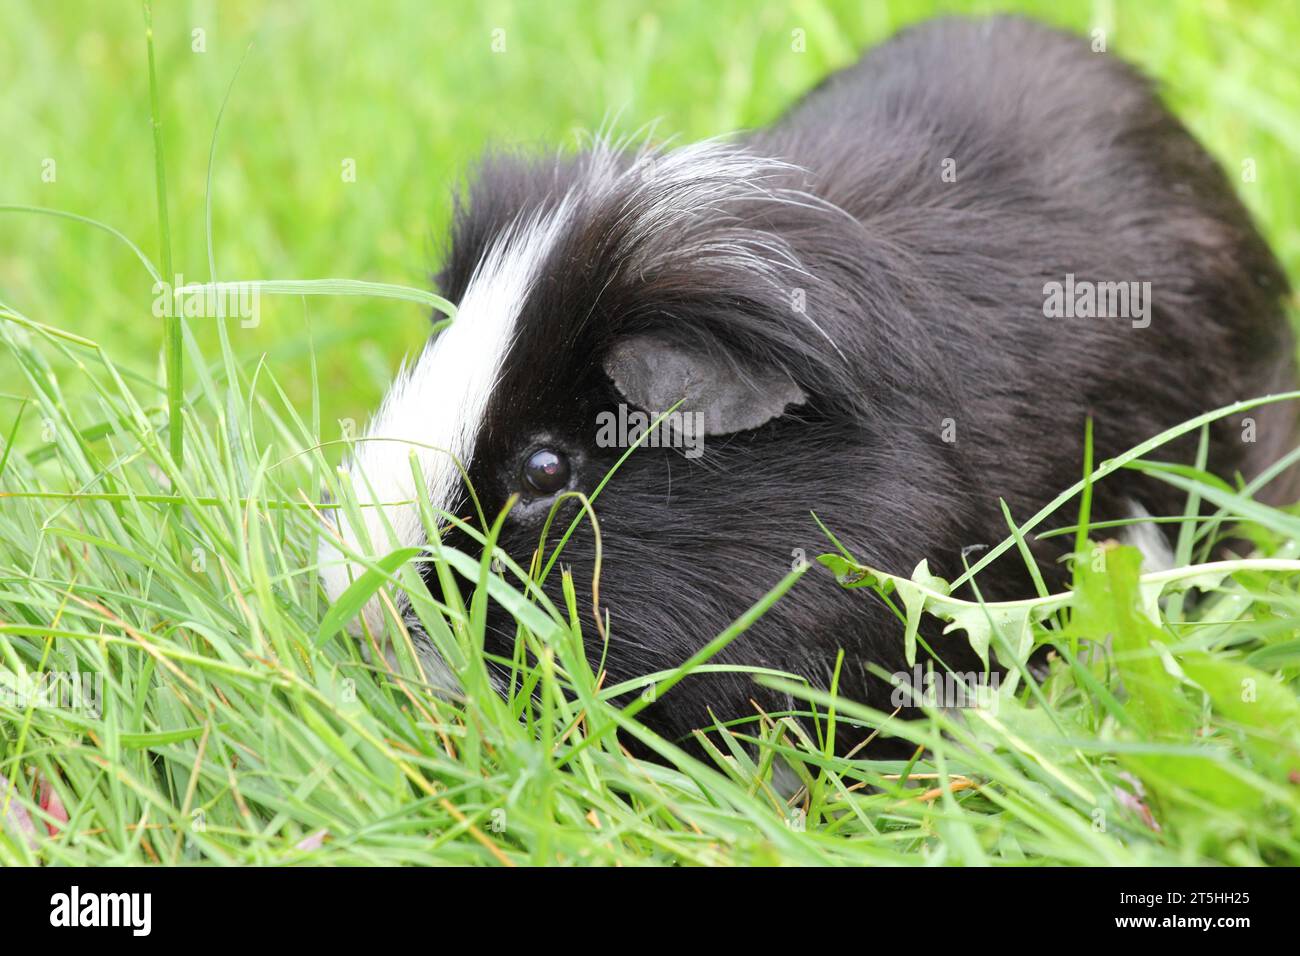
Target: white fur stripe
436, 406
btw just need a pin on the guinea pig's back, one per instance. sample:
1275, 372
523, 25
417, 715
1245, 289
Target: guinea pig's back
999, 156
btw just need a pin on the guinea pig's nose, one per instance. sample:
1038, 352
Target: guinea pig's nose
452, 538
432, 581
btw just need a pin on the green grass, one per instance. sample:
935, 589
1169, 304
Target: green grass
238, 724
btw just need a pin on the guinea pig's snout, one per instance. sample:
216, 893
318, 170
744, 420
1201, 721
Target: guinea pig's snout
433, 581
441, 572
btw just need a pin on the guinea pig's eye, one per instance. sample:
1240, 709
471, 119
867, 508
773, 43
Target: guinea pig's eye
546, 471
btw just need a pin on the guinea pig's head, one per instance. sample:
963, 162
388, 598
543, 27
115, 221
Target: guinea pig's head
593, 294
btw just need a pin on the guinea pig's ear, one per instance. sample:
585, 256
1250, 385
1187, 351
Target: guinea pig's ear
654, 374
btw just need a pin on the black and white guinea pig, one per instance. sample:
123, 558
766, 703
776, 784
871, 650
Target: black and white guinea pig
875, 309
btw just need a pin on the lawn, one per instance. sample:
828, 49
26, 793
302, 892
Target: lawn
224, 717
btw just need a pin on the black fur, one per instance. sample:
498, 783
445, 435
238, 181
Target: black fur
932, 293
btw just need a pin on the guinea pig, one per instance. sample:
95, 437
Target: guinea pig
894, 306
